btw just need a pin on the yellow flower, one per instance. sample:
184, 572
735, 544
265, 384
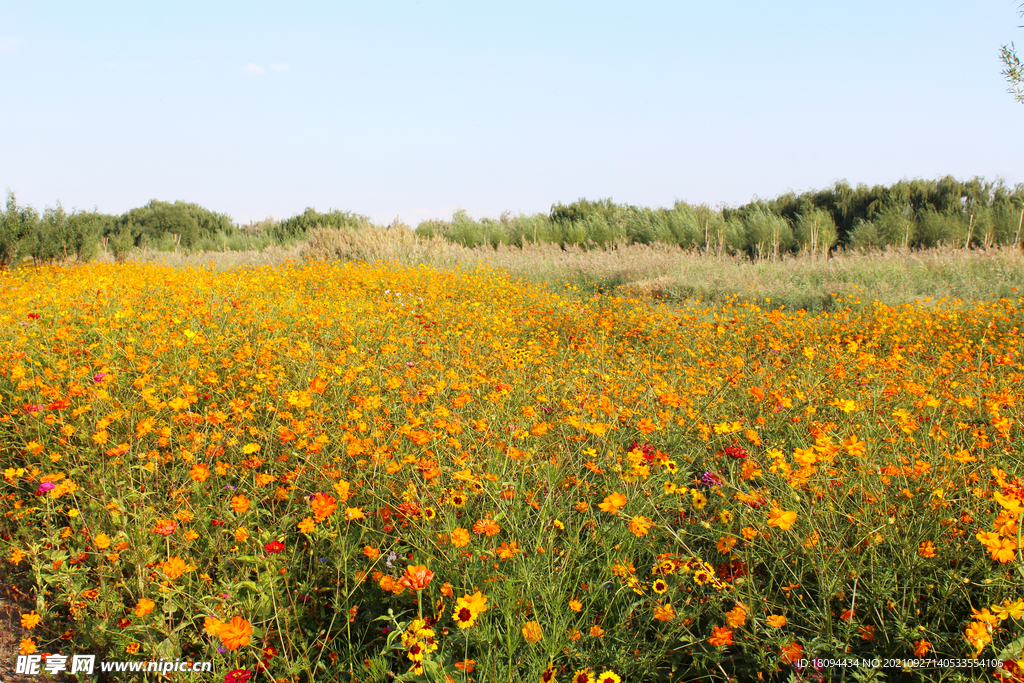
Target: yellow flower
352, 514
575, 605
307, 525
102, 541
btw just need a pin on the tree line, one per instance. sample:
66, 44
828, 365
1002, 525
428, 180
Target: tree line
59, 236
908, 214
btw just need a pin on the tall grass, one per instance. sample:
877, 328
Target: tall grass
809, 281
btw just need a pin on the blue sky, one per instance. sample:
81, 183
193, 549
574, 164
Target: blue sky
392, 108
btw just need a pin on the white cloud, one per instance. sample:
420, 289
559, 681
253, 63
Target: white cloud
251, 68
280, 68
9, 43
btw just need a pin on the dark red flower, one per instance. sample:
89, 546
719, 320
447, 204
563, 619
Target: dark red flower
238, 676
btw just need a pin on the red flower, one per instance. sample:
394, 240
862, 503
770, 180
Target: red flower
217, 522
738, 452
238, 676
274, 547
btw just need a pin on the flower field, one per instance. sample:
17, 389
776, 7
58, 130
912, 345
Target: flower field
360, 472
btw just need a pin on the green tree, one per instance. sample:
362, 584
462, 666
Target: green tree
16, 223
1012, 69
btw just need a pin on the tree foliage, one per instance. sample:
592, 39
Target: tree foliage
1013, 71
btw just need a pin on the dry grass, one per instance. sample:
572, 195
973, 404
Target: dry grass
221, 260
669, 273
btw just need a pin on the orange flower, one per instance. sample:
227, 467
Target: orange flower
30, 620
776, 620
640, 526
174, 567
212, 625
144, 607
102, 541
506, 551
236, 633
466, 665
532, 633
921, 648
165, 527
371, 552
792, 653
486, 526
416, 577
1005, 552
613, 502
781, 518
664, 612
926, 549
596, 631
978, 635
737, 616
199, 472
460, 537
240, 504
352, 514
720, 636
307, 525
28, 646
323, 506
